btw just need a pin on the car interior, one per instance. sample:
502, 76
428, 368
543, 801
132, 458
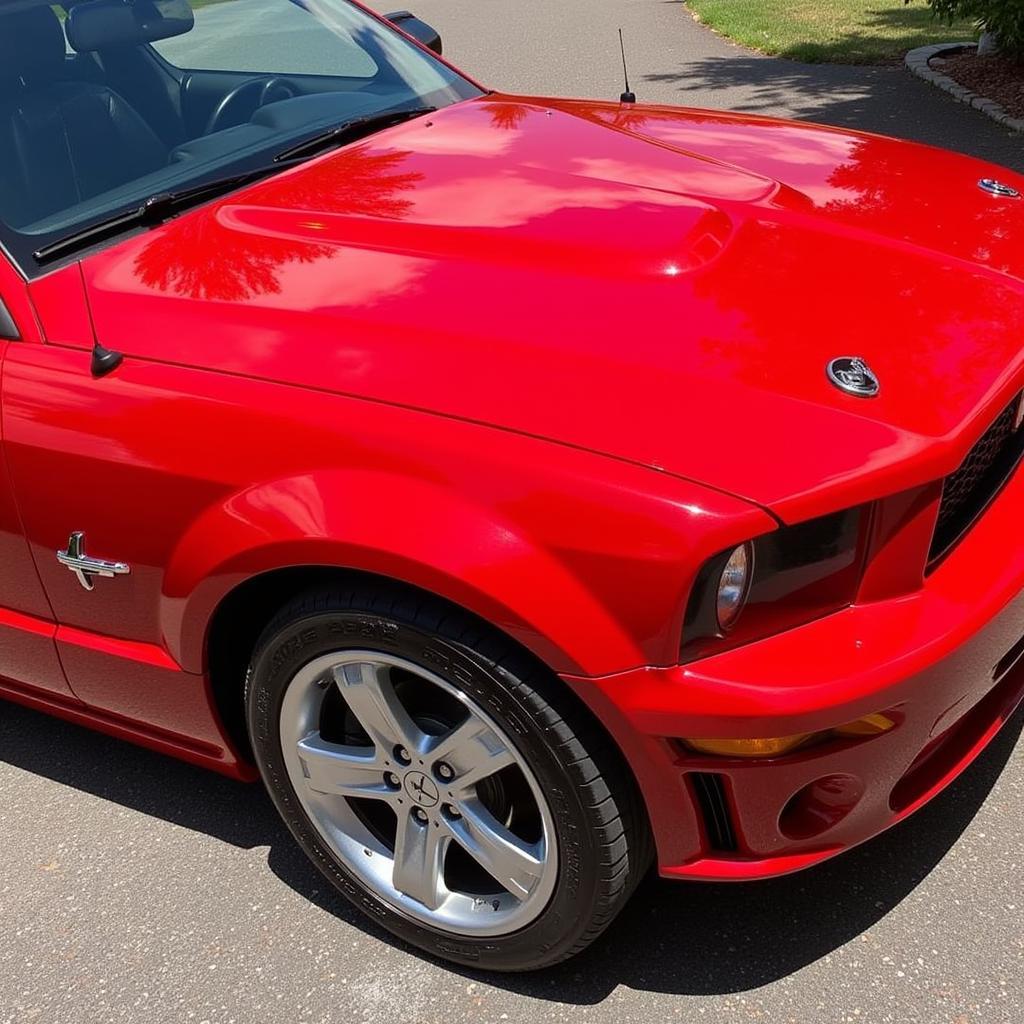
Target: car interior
94, 112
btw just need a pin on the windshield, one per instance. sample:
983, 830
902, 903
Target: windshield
104, 104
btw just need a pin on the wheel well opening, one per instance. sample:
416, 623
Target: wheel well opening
247, 610
236, 626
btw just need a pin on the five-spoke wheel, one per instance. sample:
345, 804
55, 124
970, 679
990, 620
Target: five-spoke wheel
442, 779
394, 785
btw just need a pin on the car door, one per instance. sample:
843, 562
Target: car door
29, 664
93, 456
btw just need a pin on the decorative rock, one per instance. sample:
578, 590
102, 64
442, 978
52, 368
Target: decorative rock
988, 44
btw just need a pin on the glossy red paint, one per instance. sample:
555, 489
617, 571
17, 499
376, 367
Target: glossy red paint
27, 627
544, 358
935, 659
392, 252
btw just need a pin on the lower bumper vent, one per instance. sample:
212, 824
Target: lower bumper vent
709, 789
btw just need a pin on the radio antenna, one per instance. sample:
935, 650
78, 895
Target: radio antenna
628, 96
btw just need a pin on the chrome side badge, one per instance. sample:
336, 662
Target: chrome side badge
852, 375
997, 188
77, 561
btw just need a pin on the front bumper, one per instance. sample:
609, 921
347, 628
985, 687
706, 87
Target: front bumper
945, 661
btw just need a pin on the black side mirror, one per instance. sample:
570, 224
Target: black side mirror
419, 30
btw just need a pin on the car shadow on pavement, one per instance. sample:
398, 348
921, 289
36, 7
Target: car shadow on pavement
674, 937
886, 100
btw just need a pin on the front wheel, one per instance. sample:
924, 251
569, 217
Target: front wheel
443, 782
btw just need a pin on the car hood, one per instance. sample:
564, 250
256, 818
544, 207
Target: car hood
659, 285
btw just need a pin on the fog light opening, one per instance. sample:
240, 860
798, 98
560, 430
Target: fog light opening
819, 806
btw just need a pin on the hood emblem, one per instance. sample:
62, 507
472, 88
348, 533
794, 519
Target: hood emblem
852, 375
997, 188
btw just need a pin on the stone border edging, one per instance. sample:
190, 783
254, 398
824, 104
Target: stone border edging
918, 62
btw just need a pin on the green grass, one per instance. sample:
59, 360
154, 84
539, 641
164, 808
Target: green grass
843, 31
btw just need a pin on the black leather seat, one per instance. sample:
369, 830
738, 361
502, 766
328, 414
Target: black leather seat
61, 141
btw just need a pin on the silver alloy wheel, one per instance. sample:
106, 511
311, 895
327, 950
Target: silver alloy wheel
438, 782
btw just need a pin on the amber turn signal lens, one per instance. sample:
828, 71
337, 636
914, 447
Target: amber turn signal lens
775, 746
771, 747
869, 725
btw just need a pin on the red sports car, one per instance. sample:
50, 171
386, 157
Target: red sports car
530, 491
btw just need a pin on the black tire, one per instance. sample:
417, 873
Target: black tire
602, 835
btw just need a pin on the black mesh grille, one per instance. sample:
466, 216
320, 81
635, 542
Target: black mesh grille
967, 492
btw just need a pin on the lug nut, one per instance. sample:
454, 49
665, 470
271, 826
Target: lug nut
420, 815
402, 755
392, 780
451, 811
444, 771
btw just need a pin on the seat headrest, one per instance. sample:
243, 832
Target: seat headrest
31, 43
107, 24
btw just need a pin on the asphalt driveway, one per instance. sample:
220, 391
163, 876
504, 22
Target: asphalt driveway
571, 47
134, 888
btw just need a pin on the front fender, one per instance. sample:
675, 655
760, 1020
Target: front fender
575, 556
407, 529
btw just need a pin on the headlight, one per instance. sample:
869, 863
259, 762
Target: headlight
733, 585
775, 582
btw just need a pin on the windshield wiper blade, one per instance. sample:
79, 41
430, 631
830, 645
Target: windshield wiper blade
349, 131
157, 208
154, 210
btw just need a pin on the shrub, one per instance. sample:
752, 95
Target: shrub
1003, 18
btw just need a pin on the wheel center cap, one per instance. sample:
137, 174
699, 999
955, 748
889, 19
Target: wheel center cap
421, 789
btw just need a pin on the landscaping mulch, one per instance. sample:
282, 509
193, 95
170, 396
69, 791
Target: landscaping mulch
997, 78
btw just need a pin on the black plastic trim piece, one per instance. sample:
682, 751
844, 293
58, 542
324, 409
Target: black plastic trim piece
104, 360
709, 789
8, 328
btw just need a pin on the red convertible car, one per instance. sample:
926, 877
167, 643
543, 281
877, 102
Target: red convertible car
529, 491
